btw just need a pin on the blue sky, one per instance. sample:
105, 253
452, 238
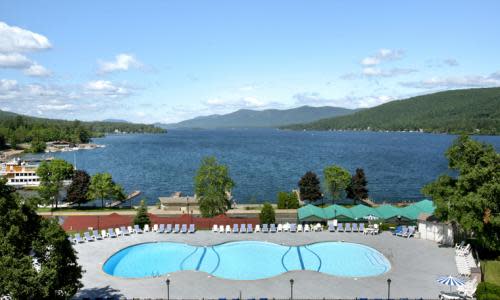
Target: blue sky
165, 61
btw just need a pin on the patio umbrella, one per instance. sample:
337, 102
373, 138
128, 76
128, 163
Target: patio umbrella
370, 218
450, 280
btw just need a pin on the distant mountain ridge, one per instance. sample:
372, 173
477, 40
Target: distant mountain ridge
269, 118
473, 111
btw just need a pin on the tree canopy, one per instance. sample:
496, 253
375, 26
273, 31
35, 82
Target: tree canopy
213, 185
472, 197
78, 189
267, 214
102, 187
36, 259
357, 189
336, 181
287, 200
52, 174
309, 187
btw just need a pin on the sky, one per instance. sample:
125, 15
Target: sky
167, 61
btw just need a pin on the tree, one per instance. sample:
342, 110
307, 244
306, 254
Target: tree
52, 174
336, 181
212, 186
309, 187
357, 187
472, 198
79, 187
287, 200
102, 187
36, 258
142, 218
267, 215
37, 146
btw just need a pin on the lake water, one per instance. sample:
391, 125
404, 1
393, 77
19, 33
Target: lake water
263, 162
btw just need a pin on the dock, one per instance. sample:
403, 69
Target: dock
129, 197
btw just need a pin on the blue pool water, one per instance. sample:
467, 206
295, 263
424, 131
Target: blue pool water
247, 260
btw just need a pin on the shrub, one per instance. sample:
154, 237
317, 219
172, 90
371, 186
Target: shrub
267, 215
488, 291
287, 200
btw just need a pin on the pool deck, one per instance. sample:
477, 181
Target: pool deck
415, 264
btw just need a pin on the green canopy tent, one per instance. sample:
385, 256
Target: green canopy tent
311, 213
426, 206
341, 213
391, 214
360, 212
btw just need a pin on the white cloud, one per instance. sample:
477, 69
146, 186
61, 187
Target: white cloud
122, 62
14, 39
381, 56
14, 60
316, 99
55, 107
456, 82
451, 62
37, 70
106, 88
376, 72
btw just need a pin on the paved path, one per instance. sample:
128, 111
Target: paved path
415, 264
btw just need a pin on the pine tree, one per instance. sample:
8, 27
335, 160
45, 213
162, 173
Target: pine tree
309, 187
142, 218
267, 215
357, 189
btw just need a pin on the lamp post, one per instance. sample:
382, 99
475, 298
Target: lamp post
291, 289
168, 289
388, 288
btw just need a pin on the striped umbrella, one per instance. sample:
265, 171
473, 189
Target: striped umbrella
450, 280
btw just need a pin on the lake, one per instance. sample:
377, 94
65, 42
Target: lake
265, 161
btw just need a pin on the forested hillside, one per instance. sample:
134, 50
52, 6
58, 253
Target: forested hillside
16, 129
475, 111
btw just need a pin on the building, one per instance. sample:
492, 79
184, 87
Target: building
178, 202
19, 173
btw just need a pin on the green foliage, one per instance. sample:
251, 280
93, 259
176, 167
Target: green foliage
309, 187
18, 129
37, 146
212, 184
287, 200
52, 174
142, 218
102, 187
475, 111
336, 181
357, 189
78, 189
487, 291
36, 259
472, 198
267, 214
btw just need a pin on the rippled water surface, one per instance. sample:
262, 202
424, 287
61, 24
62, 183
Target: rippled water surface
263, 162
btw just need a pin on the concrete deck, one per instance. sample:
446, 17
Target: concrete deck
415, 265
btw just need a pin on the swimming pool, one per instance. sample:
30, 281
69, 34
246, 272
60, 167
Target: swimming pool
247, 260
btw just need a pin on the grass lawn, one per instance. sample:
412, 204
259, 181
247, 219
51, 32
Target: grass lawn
86, 209
491, 270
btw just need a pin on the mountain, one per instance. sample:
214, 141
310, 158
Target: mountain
115, 121
456, 111
269, 118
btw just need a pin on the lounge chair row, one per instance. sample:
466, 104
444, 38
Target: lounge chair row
242, 228
177, 228
94, 235
404, 231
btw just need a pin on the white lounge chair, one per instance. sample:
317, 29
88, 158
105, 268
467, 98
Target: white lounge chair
111, 233
138, 229
286, 227
243, 228
272, 228
78, 238
104, 234
307, 228
221, 229
280, 228
96, 235
257, 228
215, 228
228, 229
184, 228
124, 231
168, 229
146, 228
161, 228
118, 231
192, 228
249, 228
375, 229
177, 228
87, 237
300, 228
130, 229
293, 228
318, 227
